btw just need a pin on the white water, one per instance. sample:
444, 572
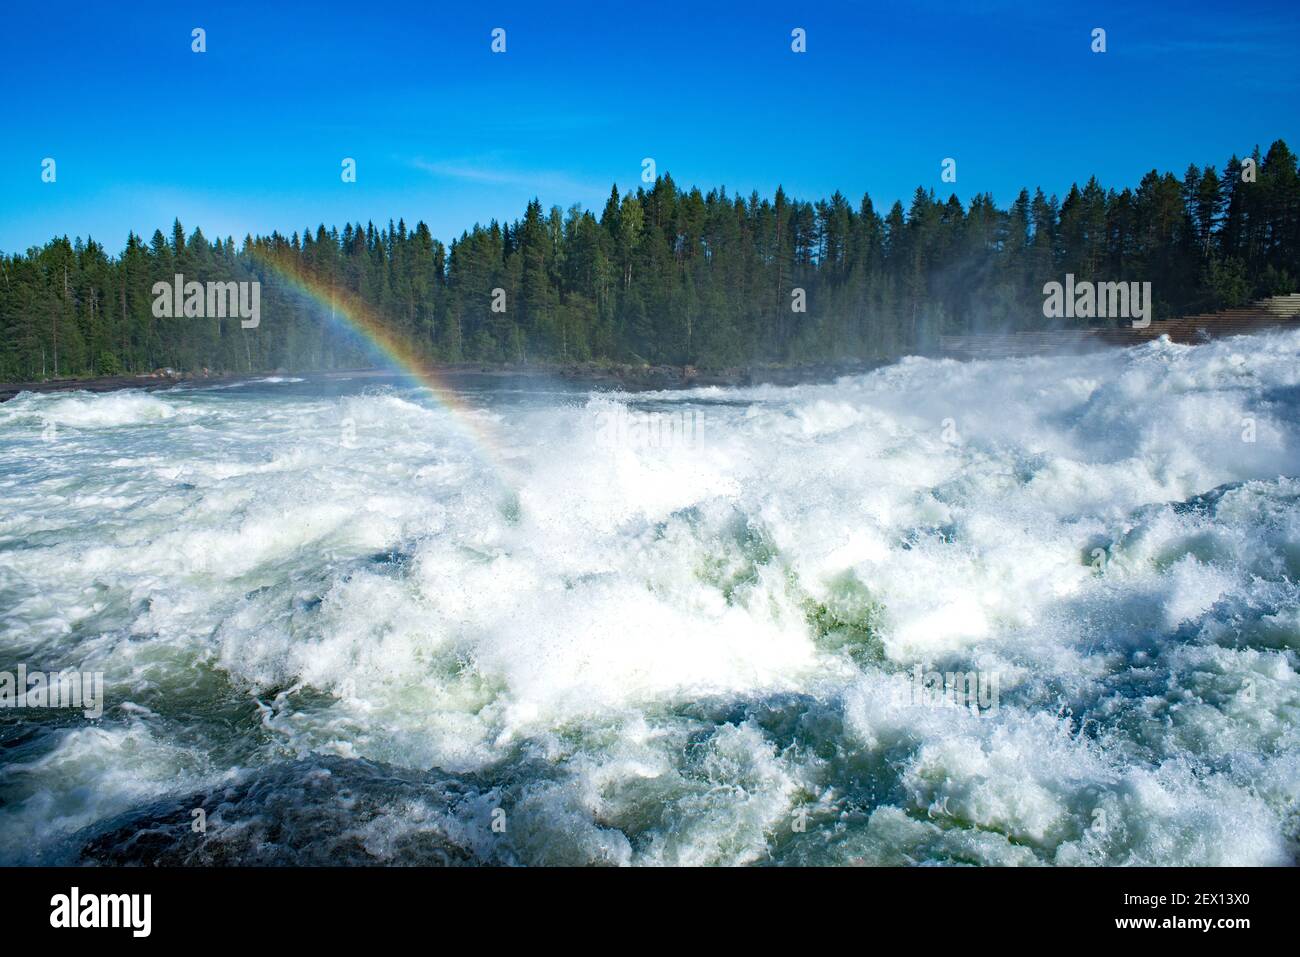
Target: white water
348, 634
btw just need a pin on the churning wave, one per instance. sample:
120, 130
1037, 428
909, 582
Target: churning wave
348, 630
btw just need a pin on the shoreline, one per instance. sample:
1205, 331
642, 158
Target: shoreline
630, 378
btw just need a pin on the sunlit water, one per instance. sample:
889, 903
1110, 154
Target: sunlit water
353, 625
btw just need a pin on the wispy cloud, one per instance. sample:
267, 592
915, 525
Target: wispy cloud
1264, 35
489, 171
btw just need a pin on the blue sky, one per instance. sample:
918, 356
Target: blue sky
249, 136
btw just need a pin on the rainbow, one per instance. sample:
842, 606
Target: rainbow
347, 311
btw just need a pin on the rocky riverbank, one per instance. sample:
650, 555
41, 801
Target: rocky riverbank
628, 377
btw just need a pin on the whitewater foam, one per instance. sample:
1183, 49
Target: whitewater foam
679, 653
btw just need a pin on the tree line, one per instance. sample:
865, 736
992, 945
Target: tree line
664, 275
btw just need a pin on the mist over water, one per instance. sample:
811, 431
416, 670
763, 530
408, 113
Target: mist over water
351, 630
